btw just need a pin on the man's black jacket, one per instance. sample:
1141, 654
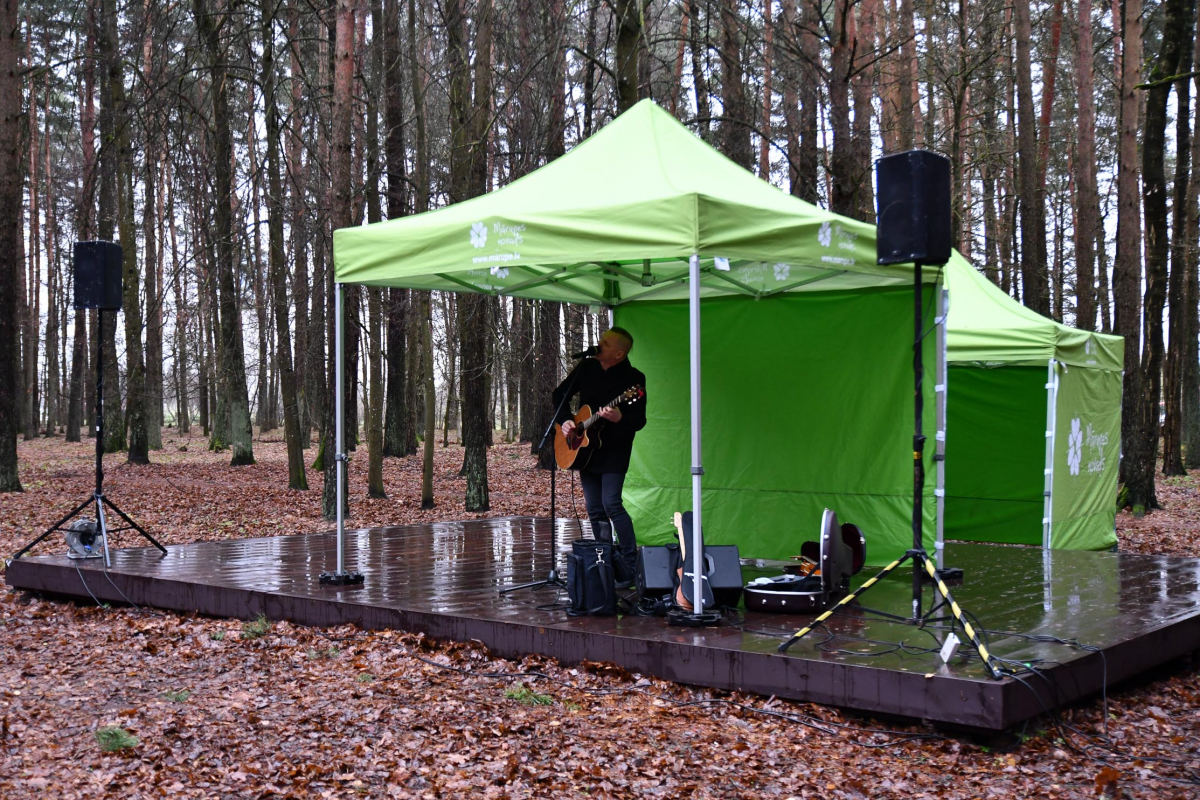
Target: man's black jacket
597, 387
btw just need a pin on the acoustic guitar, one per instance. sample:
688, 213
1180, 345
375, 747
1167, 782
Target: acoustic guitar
685, 579
576, 450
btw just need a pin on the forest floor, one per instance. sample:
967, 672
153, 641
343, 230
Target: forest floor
224, 708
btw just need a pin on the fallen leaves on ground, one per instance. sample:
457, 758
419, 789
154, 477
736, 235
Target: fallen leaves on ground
302, 712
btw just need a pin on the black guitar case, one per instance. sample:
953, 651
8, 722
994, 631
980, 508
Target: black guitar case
838, 553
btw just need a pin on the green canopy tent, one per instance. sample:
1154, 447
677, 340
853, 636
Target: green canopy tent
1034, 422
810, 340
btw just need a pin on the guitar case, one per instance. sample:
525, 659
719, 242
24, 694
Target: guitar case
838, 553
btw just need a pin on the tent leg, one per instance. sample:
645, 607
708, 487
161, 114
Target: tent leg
340, 577
1051, 431
698, 616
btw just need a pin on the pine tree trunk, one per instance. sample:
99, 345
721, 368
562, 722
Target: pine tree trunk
276, 258
1127, 268
1035, 291
1173, 371
11, 208
1088, 231
1154, 200
233, 399
628, 14
1191, 355
810, 99
341, 212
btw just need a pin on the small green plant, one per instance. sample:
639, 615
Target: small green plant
178, 696
217, 635
526, 696
365, 677
330, 653
256, 629
113, 738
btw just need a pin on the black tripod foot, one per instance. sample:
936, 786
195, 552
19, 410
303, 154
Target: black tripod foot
690, 619
342, 578
951, 576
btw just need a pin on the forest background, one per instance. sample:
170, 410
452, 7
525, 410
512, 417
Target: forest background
222, 141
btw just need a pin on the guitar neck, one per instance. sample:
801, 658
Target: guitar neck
587, 423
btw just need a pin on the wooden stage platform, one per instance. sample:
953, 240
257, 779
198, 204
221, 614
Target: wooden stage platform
444, 579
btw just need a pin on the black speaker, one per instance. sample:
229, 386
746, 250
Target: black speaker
724, 567
653, 576
914, 208
98, 268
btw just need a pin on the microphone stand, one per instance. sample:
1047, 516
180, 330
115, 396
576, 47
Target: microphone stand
553, 578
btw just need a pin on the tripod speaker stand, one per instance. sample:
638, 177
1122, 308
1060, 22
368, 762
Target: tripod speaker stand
914, 226
97, 285
552, 578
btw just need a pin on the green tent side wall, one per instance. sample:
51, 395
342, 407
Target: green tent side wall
995, 454
807, 404
999, 391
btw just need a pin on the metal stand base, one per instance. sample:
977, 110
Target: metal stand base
102, 529
951, 576
550, 580
690, 619
342, 578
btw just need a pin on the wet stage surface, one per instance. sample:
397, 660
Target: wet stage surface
444, 579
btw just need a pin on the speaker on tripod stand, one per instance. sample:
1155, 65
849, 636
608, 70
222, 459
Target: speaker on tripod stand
98, 285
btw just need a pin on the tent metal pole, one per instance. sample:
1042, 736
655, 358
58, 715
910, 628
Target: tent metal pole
1051, 432
697, 467
939, 454
340, 576
340, 411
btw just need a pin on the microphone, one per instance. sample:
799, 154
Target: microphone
588, 353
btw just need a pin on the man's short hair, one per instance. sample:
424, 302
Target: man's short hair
626, 337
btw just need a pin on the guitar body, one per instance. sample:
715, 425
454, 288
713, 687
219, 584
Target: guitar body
680, 599
574, 451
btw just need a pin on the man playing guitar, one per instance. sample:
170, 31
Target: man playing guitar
597, 381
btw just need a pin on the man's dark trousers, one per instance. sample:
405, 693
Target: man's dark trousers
602, 497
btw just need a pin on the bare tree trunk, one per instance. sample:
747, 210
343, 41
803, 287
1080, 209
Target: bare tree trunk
1033, 215
182, 317
341, 211
1191, 354
697, 46
810, 99
841, 200
398, 434
11, 203
300, 231
863, 89
1154, 199
628, 15
1087, 196
276, 258
1173, 372
764, 143
1127, 269
371, 91
908, 76
33, 294
233, 402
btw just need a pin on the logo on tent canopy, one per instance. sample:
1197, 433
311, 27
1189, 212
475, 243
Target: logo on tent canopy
825, 234
478, 235
1075, 447
782, 271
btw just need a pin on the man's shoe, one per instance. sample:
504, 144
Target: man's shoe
623, 584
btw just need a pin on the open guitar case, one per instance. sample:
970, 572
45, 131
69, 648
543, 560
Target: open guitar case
838, 553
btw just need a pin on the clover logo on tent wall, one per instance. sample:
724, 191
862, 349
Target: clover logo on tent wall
782, 271
1075, 447
825, 234
478, 235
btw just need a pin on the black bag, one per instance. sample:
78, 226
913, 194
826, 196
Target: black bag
591, 585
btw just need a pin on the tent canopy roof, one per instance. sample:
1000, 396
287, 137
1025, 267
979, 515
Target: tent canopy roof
615, 220
986, 326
